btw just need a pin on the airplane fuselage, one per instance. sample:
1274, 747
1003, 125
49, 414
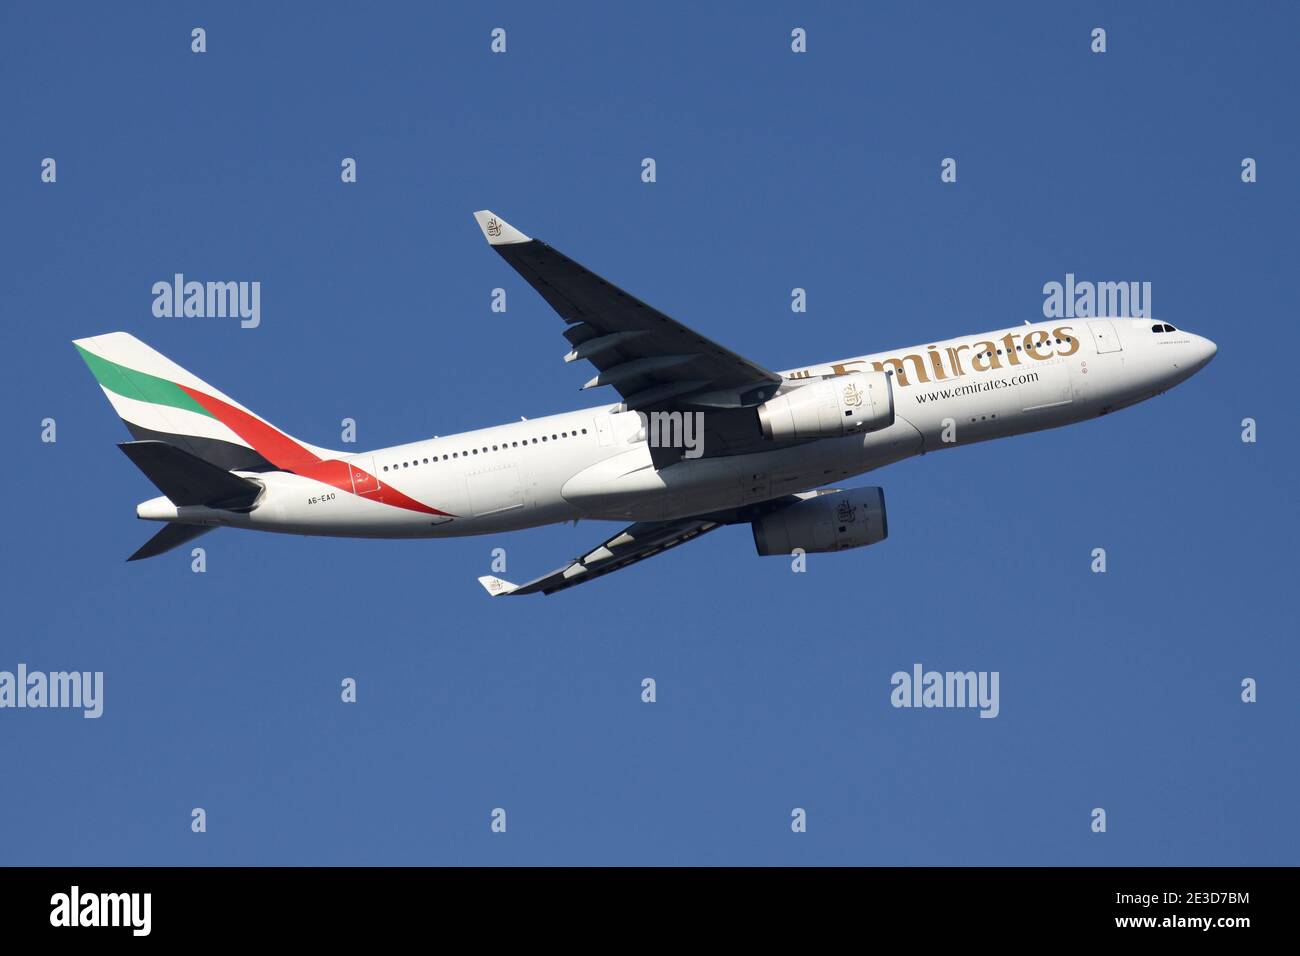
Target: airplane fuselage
596, 463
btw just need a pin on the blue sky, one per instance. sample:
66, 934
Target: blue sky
775, 170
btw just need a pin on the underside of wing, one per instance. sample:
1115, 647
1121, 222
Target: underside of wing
637, 542
634, 543
171, 536
651, 360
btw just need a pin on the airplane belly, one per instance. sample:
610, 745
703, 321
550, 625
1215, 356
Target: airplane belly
1047, 389
495, 491
628, 486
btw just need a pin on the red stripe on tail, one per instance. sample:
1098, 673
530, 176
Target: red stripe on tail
287, 455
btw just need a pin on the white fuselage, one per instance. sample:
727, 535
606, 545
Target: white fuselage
596, 463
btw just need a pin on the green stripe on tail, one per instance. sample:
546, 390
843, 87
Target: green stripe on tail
139, 385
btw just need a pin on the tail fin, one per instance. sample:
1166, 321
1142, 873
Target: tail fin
160, 401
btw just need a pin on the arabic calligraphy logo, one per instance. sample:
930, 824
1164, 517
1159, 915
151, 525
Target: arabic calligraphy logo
852, 395
846, 512
494, 227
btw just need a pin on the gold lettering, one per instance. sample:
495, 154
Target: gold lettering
1033, 344
920, 367
936, 363
1009, 342
954, 356
900, 375
985, 351
1066, 334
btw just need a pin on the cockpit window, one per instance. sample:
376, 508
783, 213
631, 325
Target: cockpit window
1170, 328
1157, 328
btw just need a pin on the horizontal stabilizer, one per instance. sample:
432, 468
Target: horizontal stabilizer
187, 480
172, 535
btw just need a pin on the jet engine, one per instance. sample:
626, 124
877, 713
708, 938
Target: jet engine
836, 406
834, 521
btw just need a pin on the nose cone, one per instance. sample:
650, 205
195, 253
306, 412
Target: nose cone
1204, 351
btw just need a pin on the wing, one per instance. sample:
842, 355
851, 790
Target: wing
634, 543
652, 361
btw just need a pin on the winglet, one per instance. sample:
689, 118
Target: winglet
496, 230
495, 586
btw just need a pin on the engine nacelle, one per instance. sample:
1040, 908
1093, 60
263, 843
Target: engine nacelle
836, 406
830, 522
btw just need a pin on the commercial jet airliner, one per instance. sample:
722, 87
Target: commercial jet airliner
701, 438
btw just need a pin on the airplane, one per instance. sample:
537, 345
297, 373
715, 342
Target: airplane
701, 438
